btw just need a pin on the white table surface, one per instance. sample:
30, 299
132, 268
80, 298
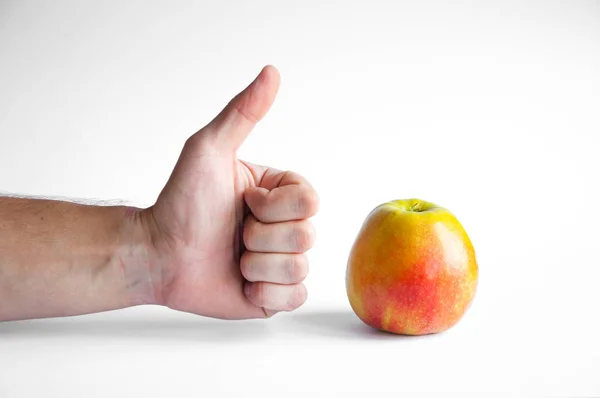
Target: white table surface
490, 110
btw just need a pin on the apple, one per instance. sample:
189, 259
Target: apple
412, 269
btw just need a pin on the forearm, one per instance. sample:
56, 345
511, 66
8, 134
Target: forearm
59, 258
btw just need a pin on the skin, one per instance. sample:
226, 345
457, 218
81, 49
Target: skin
412, 269
225, 238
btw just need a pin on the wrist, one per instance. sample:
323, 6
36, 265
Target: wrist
138, 258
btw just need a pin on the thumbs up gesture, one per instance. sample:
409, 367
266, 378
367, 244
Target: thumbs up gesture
228, 237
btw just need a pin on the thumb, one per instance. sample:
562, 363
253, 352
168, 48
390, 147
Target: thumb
231, 127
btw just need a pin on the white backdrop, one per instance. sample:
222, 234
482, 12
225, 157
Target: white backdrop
491, 110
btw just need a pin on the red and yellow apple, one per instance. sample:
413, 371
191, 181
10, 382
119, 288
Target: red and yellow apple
412, 269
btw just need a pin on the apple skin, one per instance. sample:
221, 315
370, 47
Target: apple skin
412, 269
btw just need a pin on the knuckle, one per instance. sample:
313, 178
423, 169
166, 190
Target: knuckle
247, 236
246, 266
258, 293
250, 231
202, 140
304, 236
308, 202
260, 207
297, 268
192, 142
262, 210
298, 297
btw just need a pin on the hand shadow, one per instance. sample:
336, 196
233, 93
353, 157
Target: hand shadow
124, 326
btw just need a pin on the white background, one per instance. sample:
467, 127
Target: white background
489, 109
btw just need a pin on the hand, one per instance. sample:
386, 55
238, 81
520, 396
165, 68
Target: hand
228, 236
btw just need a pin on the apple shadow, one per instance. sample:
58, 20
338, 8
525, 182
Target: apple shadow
339, 325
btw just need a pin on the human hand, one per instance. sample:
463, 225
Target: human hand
228, 237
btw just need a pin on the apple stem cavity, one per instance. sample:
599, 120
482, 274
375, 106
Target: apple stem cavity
416, 207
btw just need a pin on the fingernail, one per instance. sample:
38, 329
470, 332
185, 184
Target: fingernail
247, 288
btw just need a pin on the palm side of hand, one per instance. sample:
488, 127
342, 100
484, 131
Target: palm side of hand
215, 205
